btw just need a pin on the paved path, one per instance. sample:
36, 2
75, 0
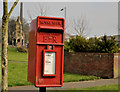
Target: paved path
70, 85
19, 61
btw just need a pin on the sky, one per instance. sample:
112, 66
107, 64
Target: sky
101, 17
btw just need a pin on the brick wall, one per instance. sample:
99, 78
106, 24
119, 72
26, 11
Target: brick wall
99, 64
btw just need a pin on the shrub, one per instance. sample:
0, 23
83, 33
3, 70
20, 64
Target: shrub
99, 45
66, 46
22, 49
109, 45
78, 44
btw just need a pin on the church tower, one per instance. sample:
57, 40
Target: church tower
18, 35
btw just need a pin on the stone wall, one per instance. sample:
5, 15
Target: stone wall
99, 64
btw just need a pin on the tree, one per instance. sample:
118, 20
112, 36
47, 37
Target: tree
5, 19
40, 10
79, 26
0, 33
25, 30
0, 30
11, 29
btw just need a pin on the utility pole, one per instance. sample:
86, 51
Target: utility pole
64, 9
65, 28
64, 12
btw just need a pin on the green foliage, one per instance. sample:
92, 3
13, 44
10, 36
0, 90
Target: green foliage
22, 49
94, 44
66, 46
99, 45
109, 46
78, 44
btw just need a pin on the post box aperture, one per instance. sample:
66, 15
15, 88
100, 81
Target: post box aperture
46, 52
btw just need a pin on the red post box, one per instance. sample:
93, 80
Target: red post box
46, 52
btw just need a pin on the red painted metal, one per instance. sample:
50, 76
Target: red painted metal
45, 32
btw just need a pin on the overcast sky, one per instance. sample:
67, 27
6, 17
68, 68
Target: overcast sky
101, 17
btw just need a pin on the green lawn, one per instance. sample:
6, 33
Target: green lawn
75, 77
106, 87
14, 55
17, 75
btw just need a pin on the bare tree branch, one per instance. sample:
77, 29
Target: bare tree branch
40, 10
80, 26
12, 8
29, 14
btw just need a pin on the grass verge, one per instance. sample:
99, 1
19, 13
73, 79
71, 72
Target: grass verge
105, 87
68, 77
14, 55
17, 75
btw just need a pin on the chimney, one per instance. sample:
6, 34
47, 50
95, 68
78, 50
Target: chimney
21, 12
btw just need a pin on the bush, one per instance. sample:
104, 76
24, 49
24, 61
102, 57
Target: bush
94, 44
78, 44
109, 46
99, 45
66, 46
22, 49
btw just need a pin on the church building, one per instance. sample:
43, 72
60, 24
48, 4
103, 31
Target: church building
18, 35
